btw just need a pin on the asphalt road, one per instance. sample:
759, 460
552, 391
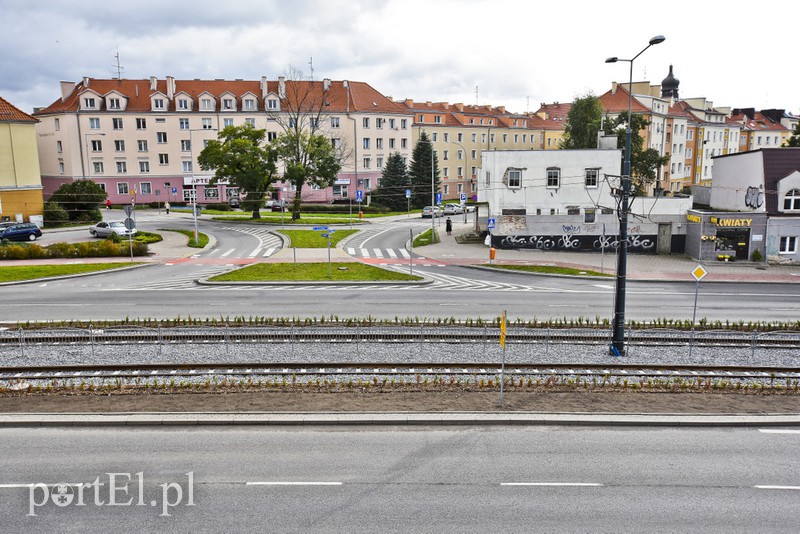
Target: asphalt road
538, 479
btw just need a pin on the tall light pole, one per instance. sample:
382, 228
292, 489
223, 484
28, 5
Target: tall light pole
618, 328
194, 180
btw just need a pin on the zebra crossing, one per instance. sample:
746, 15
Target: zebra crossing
268, 244
378, 253
185, 281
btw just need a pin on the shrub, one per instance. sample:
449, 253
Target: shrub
55, 214
220, 206
756, 256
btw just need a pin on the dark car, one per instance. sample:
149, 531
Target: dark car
234, 203
20, 232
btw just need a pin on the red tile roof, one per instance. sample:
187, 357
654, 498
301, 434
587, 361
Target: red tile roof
616, 102
362, 96
11, 113
758, 123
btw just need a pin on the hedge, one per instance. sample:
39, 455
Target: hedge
105, 248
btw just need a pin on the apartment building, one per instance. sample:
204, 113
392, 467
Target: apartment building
460, 132
20, 181
140, 139
552, 120
761, 129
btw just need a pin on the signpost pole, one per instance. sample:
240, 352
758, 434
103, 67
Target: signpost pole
698, 274
411, 250
503, 357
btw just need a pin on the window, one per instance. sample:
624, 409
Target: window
58, 125
227, 122
460, 154
688, 153
474, 171
163, 159
365, 122
505, 138
161, 137
334, 122
446, 189
460, 188
689, 135
88, 102
591, 176
446, 137
514, 179
122, 188
271, 136
183, 104
788, 245
183, 124
403, 143
474, 138
97, 167
97, 145
367, 162
141, 124
292, 122
474, 154
250, 105
434, 137
122, 168
379, 144
459, 171
403, 124
58, 146
445, 155
251, 122
144, 167
158, 103
792, 200
207, 124
61, 167
421, 118
116, 123
186, 145
211, 192
391, 124
437, 119
366, 142
119, 145
206, 104
379, 163
94, 124
379, 122
142, 145
272, 103
187, 166
391, 143
553, 177
227, 103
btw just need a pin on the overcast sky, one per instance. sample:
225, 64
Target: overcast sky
519, 53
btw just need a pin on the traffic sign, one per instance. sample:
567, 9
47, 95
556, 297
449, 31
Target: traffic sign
699, 273
463, 198
128, 209
359, 195
438, 198
331, 231
324, 235
130, 224
320, 228
491, 223
408, 193
174, 190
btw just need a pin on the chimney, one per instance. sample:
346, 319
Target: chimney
264, 87
66, 89
459, 106
281, 86
153, 83
613, 88
409, 102
502, 109
326, 84
86, 81
170, 87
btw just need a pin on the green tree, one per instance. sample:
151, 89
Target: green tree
81, 200
644, 162
241, 156
394, 182
794, 140
583, 123
307, 159
420, 172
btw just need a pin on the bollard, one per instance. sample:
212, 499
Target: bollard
21, 344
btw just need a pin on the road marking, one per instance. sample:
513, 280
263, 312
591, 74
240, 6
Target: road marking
227, 253
796, 488
293, 483
603, 286
377, 252
391, 253
364, 253
269, 252
778, 431
577, 484
351, 251
404, 253
254, 253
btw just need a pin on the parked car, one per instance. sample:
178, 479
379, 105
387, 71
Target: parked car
453, 209
431, 211
234, 203
20, 232
105, 229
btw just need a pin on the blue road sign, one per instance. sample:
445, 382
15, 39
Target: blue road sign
491, 223
324, 235
463, 197
320, 228
331, 231
438, 198
359, 195
408, 193
174, 190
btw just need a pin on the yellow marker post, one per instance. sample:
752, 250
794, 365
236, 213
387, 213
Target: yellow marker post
503, 360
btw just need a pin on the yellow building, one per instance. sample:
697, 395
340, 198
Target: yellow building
20, 179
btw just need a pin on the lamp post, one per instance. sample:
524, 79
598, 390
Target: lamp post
194, 181
618, 328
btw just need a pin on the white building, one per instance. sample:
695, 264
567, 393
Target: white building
565, 199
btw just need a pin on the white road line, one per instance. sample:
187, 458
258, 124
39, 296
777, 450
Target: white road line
269, 252
364, 253
351, 251
796, 488
227, 253
293, 483
404, 253
577, 484
391, 253
778, 431
378, 253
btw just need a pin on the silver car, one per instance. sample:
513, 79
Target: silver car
105, 229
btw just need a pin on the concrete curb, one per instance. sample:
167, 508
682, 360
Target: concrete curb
394, 419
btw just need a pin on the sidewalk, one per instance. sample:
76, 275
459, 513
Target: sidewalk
654, 267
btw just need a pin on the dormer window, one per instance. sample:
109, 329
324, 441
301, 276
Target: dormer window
113, 103
183, 104
206, 104
250, 104
272, 103
227, 103
792, 200
158, 103
89, 102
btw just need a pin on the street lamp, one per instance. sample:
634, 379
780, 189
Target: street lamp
194, 181
618, 328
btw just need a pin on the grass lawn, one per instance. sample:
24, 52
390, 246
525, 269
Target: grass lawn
425, 239
548, 269
314, 239
279, 272
312, 215
202, 239
32, 272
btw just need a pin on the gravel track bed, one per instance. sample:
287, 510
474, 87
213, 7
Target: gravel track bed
399, 353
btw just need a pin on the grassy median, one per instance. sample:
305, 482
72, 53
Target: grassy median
548, 269
32, 272
309, 272
314, 239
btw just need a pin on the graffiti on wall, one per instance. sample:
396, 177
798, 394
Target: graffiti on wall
636, 242
754, 197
